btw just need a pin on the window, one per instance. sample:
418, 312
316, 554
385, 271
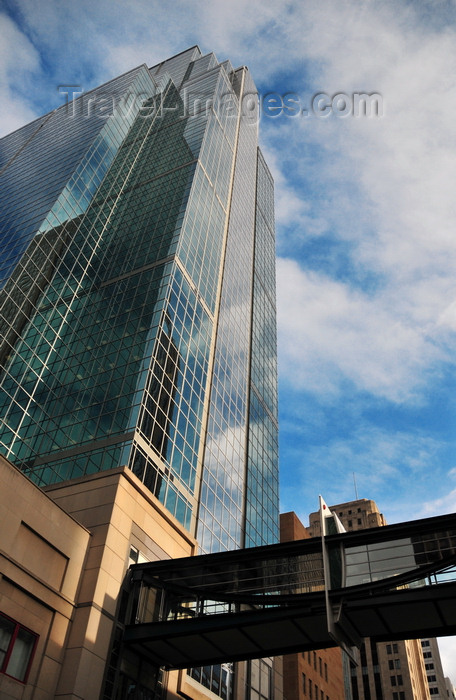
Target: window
399, 680
320, 666
315, 660
391, 665
393, 681
425, 643
431, 679
350, 523
397, 663
429, 667
17, 645
359, 521
427, 655
304, 684
434, 691
388, 648
326, 671
395, 648
310, 689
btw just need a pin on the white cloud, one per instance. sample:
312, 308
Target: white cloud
447, 646
330, 333
385, 186
438, 506
18, 62
378, 458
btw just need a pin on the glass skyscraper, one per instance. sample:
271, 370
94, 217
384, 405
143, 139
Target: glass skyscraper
137, 303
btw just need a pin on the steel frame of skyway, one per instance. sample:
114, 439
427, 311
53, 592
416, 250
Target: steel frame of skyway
393, 582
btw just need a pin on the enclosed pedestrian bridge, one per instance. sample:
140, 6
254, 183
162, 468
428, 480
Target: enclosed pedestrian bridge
392, 582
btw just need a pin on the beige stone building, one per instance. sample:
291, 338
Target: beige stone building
386, 670
64, 555
432, 663
450, 690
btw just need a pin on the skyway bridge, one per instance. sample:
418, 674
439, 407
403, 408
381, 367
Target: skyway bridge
387, 583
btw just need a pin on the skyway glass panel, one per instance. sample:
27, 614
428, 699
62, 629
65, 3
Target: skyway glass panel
380, 560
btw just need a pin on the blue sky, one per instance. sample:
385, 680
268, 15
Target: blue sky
365, 216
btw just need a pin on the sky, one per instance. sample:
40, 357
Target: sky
365, 214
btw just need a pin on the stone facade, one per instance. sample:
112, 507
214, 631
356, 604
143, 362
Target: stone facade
64, 557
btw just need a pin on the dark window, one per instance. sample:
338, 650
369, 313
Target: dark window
431, 679
326, 671
315, 660
310, 689
388, 648
399, 680
395, 648
397, 663
425, 643
354, 682
349, 523
359, 521
391, 665
17, 645
393, 681
429, 667
320, 666
304, 684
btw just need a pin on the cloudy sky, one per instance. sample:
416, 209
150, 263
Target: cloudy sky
365, 206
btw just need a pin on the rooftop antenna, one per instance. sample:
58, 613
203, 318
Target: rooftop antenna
356, 489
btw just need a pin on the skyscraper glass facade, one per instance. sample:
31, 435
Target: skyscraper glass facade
137, 296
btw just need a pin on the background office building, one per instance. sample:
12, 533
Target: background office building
434, 671
137, 318
311, 675
385, 671
451, 692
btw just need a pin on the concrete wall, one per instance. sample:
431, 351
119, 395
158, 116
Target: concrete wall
119, 512
42, 557
64, 554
